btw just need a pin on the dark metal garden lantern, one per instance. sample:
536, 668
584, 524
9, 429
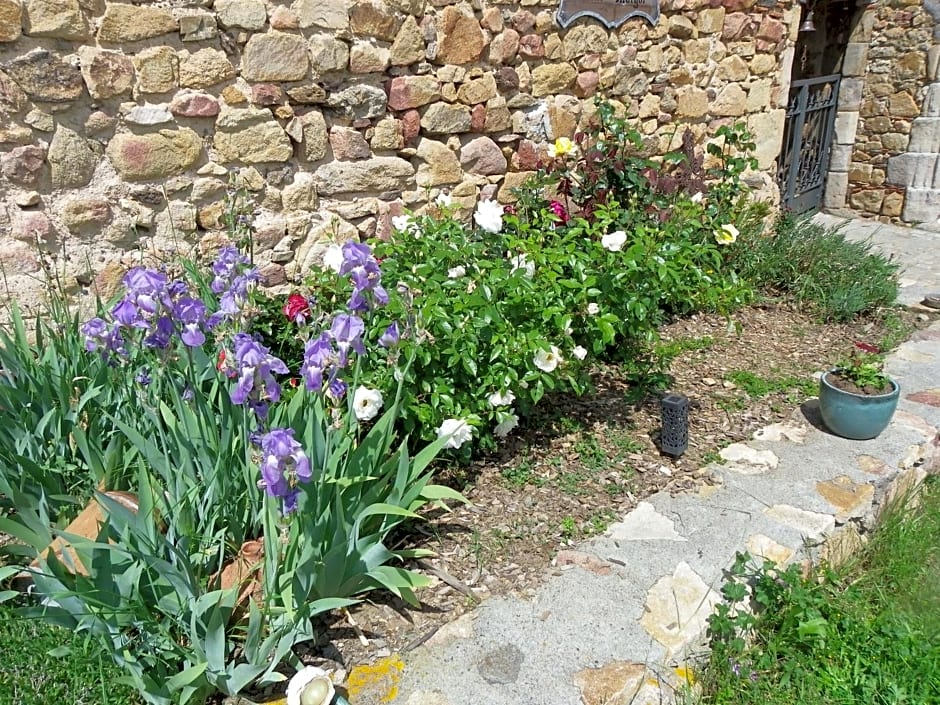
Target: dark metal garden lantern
674, 438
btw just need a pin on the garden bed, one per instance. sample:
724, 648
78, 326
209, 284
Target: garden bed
584, 462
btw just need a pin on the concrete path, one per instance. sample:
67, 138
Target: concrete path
617, 621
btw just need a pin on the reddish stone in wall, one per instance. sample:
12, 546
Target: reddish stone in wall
411, 126
478, 118
194, 105
23, 165
266, 94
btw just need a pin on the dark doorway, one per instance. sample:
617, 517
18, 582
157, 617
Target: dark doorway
812, 103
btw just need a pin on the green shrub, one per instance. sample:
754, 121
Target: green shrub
836, 278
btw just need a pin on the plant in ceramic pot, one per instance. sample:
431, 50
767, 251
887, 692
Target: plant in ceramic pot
856, 398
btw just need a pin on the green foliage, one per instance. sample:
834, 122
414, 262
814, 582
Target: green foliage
866, 634
44, 664
836, 278
864, 367
147, 587
757, 387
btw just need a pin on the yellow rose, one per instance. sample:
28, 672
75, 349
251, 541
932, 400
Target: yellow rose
562, 146
726, 234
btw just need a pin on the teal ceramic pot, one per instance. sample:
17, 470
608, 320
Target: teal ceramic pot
856, 416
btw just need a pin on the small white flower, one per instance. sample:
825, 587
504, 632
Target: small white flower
697, 198
333, 257
593, 309
489, 216
310, 686
547, 360
521, 262
614, 241
457, 272
579, 352
458, 430
443, 200
507, 422
501, 398
366, 403
406, 224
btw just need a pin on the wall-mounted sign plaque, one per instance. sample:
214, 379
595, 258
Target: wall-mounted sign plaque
612, 13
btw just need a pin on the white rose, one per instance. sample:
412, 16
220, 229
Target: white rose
333, 257
507, 423
310, 686
593, 309
521, 262
547, 360
366, 403
406, 224
489, 216
501, 398
457, 432
614, 241
443, 200
697, 198
579, 352
457, 272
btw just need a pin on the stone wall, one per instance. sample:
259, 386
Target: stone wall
122, 125
893, 170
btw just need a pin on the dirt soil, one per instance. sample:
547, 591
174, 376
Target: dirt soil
585, 462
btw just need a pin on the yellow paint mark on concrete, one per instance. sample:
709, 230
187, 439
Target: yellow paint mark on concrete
380, 679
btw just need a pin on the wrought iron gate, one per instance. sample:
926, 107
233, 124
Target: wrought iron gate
807, 136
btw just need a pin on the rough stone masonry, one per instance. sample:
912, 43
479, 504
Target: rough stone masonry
122, 125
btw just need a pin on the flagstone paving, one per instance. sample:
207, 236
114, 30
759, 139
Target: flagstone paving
620, 620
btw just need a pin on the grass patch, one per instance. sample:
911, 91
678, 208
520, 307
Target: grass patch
868, 634
820, 269
76, 672
757, 387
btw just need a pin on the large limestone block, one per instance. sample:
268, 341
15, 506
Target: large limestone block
407, 92
731, 101
374, 175
440, 166
106, 73
479, 90
460, 38
373, 18
247, 14
586, 38
154, 156
359, 102
71, 159
275, 56
56, 19
408, 47
157, 70
327, 53
11, 20
316, 135
327, 15
251, 135
549, 79
46, 77
483, 156
767, 129
132, 23
207, 67
446, 119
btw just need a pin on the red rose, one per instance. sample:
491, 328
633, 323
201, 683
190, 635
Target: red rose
297, 308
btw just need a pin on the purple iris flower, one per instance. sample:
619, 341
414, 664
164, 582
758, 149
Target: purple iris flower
363, 270
161, 333
347, 331
99, 336
233, 274
318, 357
391, 337
283, 461
255, 369
191, 313
127, 314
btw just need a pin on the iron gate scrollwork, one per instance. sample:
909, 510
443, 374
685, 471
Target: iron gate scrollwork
807, 137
